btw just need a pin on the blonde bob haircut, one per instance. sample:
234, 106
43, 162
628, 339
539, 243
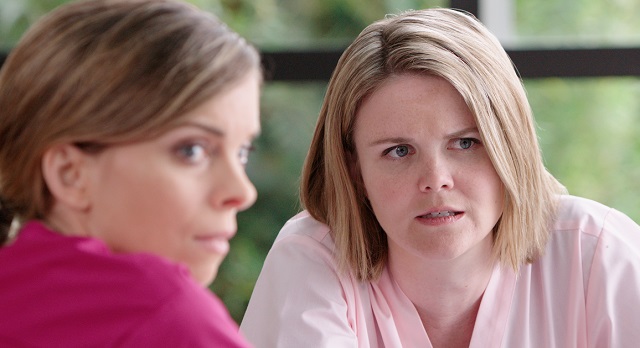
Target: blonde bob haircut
99, 72
458, 48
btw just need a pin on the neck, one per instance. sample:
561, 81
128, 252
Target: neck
454, 330
66, 221
446, 294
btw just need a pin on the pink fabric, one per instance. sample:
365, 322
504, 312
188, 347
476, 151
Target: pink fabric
584, 292
59, 291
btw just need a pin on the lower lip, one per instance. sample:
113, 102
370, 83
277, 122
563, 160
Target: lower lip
215, 245
440, 220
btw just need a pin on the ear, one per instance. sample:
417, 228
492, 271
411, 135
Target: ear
64, 168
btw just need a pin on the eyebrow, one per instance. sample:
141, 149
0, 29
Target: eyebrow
209, 129
389, 140
397, 140
212, 130
472, 129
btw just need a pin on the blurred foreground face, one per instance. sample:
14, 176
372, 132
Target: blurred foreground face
426, 172
177, 195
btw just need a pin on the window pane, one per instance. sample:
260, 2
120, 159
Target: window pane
294, 24
590, 134
289, 112
577, 23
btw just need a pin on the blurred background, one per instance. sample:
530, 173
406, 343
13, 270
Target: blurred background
589, 121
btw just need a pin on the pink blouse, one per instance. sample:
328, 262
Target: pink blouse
584, 292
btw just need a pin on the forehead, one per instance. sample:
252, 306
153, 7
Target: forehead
234, 110
411, 100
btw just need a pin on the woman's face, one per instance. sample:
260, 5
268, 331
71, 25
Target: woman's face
426, 173
177, 196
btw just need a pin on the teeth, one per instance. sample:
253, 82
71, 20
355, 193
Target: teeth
440, 214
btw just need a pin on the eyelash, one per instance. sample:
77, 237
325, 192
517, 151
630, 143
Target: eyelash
209, 151
245, 152
474, 141
388, 151
182, 150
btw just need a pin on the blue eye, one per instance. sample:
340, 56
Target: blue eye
398, 151
192, 152
467, 143
244, 153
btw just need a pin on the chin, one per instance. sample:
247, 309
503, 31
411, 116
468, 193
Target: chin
444, 251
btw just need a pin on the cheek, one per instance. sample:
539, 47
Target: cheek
384, 191
148, 200
168, 202
489, 192
159, 217
381, 176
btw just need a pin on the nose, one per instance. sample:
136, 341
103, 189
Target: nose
436, 175
235, 189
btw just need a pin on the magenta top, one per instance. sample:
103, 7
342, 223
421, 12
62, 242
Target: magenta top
60, 291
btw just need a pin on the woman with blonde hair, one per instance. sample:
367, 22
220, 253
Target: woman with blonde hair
430, 218
125, 127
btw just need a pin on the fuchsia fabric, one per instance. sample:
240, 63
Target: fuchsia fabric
58, 291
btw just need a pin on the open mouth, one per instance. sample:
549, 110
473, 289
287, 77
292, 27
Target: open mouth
440, 214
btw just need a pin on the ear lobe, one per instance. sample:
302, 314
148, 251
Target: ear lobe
64, 172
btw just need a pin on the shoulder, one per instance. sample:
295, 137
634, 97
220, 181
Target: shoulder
600, 237
608, 245
300, 291
192, 316
303, 225
174, 310
302, 236
580, 213
181, 312
72, 265
593, 219
301, 261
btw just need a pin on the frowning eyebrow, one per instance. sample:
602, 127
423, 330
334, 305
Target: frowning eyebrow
466, 131
401, 140
393, 140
